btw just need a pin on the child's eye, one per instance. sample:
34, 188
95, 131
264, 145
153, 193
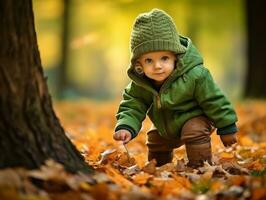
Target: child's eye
165, 58
148, 61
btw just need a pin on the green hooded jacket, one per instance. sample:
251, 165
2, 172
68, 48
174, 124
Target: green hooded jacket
188, 92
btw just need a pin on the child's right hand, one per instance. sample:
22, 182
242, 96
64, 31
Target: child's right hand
123, 135
228, 140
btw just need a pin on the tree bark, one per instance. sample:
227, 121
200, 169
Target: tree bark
30, 132
255, 78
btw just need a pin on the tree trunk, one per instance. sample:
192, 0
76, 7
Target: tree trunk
255, 79
30, 132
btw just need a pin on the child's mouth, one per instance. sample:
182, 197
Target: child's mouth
157, 74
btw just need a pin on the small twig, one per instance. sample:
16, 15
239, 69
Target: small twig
128, 156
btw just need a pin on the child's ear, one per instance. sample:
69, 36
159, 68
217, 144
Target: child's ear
138, 68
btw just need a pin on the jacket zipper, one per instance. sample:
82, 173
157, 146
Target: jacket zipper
165, 123
159, 105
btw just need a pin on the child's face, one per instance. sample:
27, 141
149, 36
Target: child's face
158, 65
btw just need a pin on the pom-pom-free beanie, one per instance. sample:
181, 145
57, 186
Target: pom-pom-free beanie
154, 31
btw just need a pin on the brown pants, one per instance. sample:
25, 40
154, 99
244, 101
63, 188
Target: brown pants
195, 134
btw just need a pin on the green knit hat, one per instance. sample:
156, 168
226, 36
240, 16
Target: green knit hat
154, 31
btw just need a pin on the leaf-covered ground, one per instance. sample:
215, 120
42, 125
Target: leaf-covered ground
122, 172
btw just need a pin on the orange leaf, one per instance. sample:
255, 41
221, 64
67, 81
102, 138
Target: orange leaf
217, 186
237, 180
119, 179
150, 167
141, 178
169, 185
255, 165
100, 191
124, 160
258, 193
182, 180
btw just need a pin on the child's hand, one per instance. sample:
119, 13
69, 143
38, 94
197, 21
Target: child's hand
229, 139
123, 135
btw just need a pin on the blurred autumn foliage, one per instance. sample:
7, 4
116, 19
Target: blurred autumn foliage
121, 172
97, 42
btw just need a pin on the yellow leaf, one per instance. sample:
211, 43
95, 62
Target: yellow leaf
85, 186
227, 155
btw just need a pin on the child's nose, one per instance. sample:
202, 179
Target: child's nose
157, 65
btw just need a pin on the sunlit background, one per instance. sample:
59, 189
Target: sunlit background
97, 42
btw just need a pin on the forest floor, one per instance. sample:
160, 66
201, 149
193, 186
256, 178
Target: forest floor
122, 171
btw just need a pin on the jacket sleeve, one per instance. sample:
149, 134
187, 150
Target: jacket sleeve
214, 104
132, 109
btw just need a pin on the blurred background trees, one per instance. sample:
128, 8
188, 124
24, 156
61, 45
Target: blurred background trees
84, 44
255, 78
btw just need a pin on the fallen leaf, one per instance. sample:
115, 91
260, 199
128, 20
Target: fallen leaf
107, 155
116, 177
10, 178
150, 167
131, 170
255, 165
141, 178
166, 186
180, 165
100, 191
171, 167
124, 161
51, 170
234, 168
258, 194
238, 180
227, 155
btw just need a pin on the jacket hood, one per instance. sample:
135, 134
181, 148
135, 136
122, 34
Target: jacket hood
186, 61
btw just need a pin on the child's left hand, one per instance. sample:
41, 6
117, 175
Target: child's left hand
229, 139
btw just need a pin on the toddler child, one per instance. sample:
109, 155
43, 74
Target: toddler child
171, 85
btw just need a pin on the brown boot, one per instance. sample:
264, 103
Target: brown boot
198, 153
161, 157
